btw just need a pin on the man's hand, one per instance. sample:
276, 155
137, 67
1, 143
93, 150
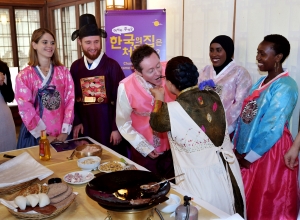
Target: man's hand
158, 93
77, 129
115, 137
62, 137
153, 154
290, 158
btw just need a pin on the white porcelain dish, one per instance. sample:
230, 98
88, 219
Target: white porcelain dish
89, 163
78, 177
170, 205
104, 167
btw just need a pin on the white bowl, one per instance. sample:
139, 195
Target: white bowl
88, 163
170, 205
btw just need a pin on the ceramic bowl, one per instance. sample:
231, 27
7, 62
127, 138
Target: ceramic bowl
170, 205
87, 150
88, 163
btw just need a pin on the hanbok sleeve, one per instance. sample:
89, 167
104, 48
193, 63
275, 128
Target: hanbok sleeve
281, 105
116, 76
124, 124
69, 95
25, 99
160, 119
74, 73
243, 86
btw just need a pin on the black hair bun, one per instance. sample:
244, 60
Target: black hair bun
187, 75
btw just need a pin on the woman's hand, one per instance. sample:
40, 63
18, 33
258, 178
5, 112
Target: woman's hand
243, 163
158, 93
51, 138
290, 158
2, 78
62, 137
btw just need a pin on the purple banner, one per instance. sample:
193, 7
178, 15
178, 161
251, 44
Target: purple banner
130, 28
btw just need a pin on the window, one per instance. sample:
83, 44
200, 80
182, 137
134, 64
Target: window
65, 20
6, 53
26, 22
15, 35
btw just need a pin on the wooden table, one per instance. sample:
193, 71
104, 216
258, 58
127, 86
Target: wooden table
84, 207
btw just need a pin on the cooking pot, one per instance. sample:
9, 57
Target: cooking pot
116, 191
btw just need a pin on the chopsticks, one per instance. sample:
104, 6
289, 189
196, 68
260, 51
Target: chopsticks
8, 156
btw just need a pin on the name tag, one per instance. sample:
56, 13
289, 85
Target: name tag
89, 99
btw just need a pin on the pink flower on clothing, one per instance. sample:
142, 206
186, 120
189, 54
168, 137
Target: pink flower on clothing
215, 106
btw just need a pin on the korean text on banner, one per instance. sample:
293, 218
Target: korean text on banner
130, 28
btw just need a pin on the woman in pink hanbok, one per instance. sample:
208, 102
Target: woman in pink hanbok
44, 93
233, 82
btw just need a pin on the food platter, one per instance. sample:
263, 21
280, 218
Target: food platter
49, 211
78, 177
111, 166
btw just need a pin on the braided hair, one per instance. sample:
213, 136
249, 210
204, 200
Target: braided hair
182, 72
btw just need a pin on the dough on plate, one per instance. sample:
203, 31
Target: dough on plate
20, 202
33, 199
43, 200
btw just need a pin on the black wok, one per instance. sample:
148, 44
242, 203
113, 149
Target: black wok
103, 189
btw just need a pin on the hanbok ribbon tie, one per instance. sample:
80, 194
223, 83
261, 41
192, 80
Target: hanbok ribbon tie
228, 156
256, 93
44, 91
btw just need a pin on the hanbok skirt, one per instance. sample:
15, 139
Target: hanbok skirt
271, 188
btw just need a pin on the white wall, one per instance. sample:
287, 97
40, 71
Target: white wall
174, 24
192, 24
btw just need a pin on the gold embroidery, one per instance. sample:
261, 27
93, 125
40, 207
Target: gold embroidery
188, 89
157, 105
93, 89
100, 99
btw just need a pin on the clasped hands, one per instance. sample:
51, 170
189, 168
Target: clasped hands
242, 161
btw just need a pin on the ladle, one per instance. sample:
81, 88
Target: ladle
147, 186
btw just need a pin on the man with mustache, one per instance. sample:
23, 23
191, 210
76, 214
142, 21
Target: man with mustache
96, 78
135, 103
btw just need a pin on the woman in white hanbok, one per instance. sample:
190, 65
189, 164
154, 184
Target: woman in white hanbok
233, 81
200, 144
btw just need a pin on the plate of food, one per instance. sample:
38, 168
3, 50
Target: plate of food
78, 177
111, 166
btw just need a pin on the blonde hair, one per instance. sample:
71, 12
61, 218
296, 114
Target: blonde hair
33, 57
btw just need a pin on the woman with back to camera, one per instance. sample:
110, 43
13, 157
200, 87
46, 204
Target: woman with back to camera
233, 82
262, 136
7, 125
44, 93
200, 144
